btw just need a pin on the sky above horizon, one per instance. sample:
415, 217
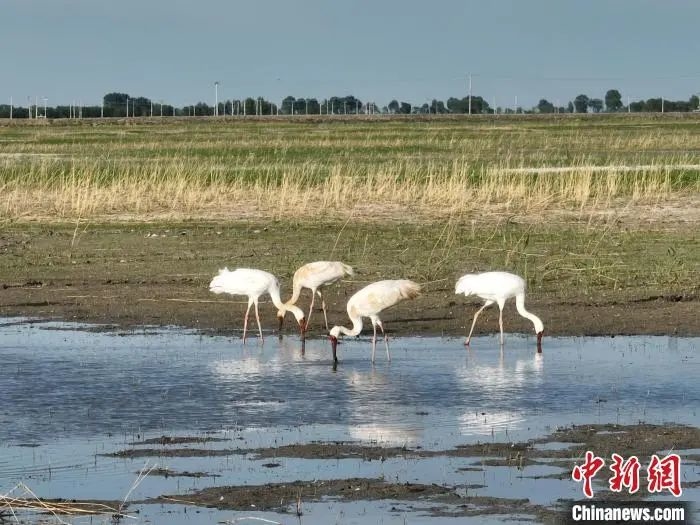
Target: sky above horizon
409, 50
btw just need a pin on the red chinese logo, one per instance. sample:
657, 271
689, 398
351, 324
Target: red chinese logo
625, 474
587, 472
663, 474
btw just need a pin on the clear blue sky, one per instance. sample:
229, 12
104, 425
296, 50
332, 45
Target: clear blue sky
412, 50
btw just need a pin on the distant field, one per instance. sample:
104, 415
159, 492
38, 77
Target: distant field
410, 169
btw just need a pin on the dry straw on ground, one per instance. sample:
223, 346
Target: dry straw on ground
374, 170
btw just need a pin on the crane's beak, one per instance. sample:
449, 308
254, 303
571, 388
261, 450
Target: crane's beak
334, 346
539, 342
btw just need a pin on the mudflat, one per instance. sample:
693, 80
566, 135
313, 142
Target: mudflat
582, 279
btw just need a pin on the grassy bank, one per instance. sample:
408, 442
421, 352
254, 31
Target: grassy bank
431, 169
591, 264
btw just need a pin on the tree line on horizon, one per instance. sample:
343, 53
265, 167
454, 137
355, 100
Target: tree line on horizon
123, 105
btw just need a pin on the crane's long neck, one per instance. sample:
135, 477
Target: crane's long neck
283, 308
520, 306
356, 326
275, 296
296, 291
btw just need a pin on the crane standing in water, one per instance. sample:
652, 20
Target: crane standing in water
498, 287
369, 302
313, 276
254, 283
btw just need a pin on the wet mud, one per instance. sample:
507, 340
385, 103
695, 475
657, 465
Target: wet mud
121, 278
641, 440
279, 496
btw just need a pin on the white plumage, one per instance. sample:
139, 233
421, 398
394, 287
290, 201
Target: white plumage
368, 302
313, 276
498, 287
253, 283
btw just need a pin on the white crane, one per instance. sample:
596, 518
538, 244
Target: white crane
253, 283
368, 302
498, 287
313, 276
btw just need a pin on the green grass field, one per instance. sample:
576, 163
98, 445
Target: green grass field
422, 168
590, 210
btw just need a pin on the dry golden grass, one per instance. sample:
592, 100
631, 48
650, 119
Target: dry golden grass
410, 170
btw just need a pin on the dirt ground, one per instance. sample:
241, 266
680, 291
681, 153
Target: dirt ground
428, 499
642, 440
126, 276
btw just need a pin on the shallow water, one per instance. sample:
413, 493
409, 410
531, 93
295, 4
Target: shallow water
77, 394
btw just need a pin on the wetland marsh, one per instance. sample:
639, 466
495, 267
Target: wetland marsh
118, 362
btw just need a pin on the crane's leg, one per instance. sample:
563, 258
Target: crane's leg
469, 337
323, 305
311, 308
374, 339
501, 304
257, 318
245, 319
386, 340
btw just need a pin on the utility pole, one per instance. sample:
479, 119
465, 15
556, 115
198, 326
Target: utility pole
662, 104
470, 93
216, 98
127, 107
10, 108
516, 104
45, 100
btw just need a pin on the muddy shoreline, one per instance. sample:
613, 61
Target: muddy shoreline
128, 276
120, 306
430, 499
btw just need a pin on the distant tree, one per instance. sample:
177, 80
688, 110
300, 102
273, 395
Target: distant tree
249, 106
581, 104
114, 104
653, 104
141, 107
287, 105
438, 106
694, 103
544, 106
596, 105
200, 109
570, 107
405, 108
479, 105
613, 100
638, 106
393, 106
314, 106
455, 105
